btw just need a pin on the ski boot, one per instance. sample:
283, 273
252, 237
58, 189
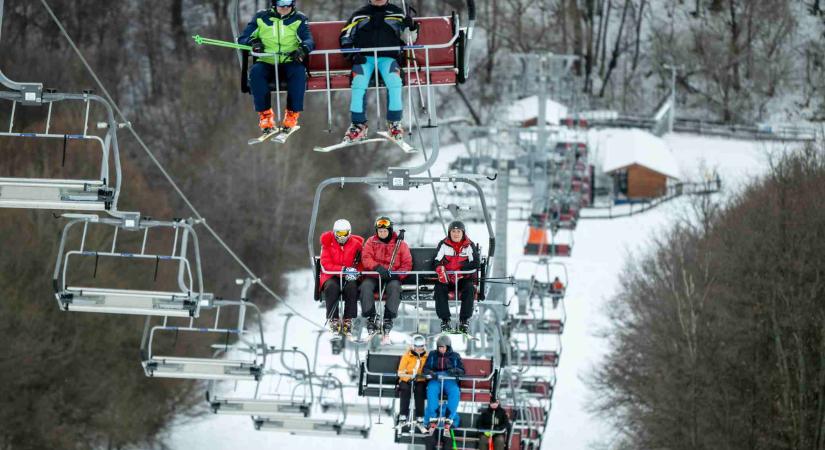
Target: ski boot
266, 121
387, 326
356, 132
290, 119
395, 131
372, 326
335, 326
445, 326
463, 327
346, 328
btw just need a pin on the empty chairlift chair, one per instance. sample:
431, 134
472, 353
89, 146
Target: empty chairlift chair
237, 353
88, 193
182, 293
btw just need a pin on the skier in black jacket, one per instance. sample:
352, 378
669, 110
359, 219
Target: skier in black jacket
493, 419
378, 24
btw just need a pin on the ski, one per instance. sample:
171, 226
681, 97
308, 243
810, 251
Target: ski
465, 335
284, 134
407, 148
346, 144
264, 137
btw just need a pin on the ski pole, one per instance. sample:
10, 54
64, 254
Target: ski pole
200, 40
452, 434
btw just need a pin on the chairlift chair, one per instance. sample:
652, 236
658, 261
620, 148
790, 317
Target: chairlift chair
439, 57
87, 194
183, 302
247, 363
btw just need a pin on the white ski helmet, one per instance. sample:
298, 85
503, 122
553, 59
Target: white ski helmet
342, 229
419, 341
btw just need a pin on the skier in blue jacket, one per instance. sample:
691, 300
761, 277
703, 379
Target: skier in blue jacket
443, 367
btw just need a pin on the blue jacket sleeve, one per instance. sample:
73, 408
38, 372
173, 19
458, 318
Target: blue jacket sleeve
305, 35
458, 364
251, 28
428, 364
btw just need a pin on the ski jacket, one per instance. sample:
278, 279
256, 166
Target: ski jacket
493, 419
557, 286
438, 363
377, 253
456, 256
375, 26
279, 34
409, 361
334, 256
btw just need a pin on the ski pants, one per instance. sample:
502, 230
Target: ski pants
434, 408
263, 73
405, 391
466, 292
362, 74
392, 289
484, 442
440, 435
332, 291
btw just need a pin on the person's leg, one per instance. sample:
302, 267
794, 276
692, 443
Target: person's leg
393, 291
350, 299
361, 74
404, 393
296, 78
453, 394
420, 393
367, 301
467, 293
433, 392
391, 73
442, 302
259, 77
483, 442
498, 442
332, 292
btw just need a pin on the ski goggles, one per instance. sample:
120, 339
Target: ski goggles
383, 223
284, 3
342, 233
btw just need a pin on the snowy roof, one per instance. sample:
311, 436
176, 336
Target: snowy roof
528, 108
621, 148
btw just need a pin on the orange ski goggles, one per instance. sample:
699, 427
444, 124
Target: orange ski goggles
342, 233
383, 223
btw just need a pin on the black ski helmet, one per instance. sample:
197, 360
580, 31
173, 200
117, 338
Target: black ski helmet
457, 225
383, 222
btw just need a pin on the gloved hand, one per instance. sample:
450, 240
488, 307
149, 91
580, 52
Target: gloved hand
355, 58
453, 372
488, 433
350, 273
299, 55
409, 23
428, 373
257, 46
385, 274
441, 271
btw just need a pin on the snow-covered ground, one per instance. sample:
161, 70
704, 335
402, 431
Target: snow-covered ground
601, 247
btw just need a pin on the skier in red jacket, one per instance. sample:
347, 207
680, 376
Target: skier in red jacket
455, 253
375, 257
340, 252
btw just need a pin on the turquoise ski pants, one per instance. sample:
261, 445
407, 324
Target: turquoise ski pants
362, 74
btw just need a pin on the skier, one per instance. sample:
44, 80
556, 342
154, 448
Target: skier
455, 253
493, 423
557, 287
284, 31
378, 24
340, 251
442, 367
381, 248
411, 380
